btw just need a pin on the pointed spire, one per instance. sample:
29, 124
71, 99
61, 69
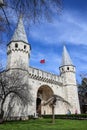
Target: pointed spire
66, 60
20, 33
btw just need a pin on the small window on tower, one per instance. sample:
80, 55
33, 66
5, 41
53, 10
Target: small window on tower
16, 45
62, 69
24, 46
67, 68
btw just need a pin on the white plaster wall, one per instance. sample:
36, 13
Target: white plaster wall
58, 90
18, 56
65, 84
70, 87
72, 94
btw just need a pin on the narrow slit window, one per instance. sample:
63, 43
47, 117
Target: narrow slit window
62, 69
67, 68
24, 46
16, 45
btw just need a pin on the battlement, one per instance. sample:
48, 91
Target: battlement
18, 52
44, 76
18, 46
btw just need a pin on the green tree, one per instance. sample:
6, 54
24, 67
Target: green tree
82, 90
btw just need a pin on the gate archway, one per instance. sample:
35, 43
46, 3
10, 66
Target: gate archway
43, 94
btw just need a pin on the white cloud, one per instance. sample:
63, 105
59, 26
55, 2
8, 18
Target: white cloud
68, 28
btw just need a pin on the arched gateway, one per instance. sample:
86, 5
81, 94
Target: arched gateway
43, 94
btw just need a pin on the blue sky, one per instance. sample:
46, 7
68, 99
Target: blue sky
69, 28
47, 39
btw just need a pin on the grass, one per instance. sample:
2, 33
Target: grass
45, 124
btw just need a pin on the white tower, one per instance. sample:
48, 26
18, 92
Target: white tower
18, 50
67, 72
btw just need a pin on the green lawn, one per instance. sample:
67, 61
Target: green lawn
45, 124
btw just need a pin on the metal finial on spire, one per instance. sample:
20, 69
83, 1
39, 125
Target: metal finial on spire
20, 34
66, 60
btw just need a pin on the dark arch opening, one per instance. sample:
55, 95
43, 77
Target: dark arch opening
16, 45
43, 94
38, 106
67, 68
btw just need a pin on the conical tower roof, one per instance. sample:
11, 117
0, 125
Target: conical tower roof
20, 34
66, 60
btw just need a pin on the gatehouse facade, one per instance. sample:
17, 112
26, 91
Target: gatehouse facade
43, 84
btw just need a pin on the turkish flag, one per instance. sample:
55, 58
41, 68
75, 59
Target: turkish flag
42, 61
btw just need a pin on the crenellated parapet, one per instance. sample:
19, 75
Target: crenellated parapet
44, 76
18, 53
16, 46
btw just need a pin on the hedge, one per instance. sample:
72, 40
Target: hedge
71, 116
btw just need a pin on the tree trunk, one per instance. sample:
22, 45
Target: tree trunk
1, 116
2, 111
53, 114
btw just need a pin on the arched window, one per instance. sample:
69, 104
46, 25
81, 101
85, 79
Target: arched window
67, 68
16, 45
24, 46
62, 69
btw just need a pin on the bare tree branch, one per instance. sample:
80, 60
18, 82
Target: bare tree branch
52, 102
14, 82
